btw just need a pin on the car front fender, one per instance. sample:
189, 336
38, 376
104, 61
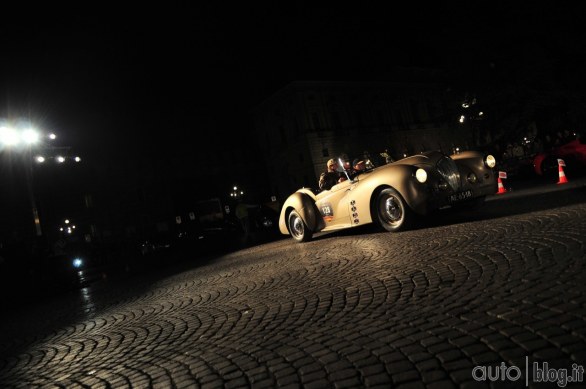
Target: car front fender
305, 206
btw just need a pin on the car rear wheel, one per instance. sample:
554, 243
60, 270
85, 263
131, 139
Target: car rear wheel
297, 228
392, 212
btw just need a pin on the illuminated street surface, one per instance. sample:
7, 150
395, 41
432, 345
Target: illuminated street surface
420, 308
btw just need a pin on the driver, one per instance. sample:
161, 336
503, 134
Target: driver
330, 177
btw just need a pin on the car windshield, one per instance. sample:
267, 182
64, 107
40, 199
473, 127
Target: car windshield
358, 162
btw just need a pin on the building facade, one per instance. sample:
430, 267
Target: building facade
306, 123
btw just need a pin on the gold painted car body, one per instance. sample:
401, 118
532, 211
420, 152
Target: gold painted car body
459, 179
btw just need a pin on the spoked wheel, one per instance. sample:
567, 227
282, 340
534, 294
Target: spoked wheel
392, 213
297, 227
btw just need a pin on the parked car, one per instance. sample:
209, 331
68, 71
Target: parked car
264, 223
392, 195
209, 237
573, 153
156, 245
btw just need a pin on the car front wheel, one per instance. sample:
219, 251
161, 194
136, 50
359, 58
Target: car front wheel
297, 227
392, 212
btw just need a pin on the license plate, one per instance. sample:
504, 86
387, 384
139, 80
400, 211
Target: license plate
460, 196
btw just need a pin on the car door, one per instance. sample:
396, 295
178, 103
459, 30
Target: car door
334, 205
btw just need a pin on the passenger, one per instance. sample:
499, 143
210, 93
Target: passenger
330, 177
359, 166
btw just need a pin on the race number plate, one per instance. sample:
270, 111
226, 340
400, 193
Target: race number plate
460, 196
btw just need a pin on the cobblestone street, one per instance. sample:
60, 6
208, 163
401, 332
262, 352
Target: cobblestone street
361, 308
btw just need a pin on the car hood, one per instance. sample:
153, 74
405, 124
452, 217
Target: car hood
426, 158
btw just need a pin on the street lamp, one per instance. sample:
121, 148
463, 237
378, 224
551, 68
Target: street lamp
8, 136
68, 227
236, 193
13, 136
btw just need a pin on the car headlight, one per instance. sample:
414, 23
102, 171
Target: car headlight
490, 161
77, 262
421, 175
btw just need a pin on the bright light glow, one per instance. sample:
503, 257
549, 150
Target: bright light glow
73, 227
77, 262
77, 159
462, 119
457, 149
241, 192
52, 136
66, 221
421, 175
40, 159
465, 105
60, 159
480, 113
61, 229
69, 230
235, 188
490, 161
8, 136
30, 136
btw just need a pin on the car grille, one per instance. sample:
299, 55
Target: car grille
449, 171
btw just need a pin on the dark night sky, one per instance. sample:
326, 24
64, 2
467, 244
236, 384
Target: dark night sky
114, 79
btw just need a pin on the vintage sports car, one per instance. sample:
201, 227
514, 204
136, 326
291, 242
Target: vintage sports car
573, 153
392, 195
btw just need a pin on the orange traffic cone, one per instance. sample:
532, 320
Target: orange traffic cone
501, 187
563, 179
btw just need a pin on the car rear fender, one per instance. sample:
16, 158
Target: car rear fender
305, 206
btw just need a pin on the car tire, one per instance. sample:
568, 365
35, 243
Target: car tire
297, 228
391, 212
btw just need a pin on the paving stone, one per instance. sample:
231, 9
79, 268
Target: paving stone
445, 384
236, 383
474, 349
433, 376
463, 341
400, 366
377, 379
429, 364
411, 385
407, 376
549, 354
